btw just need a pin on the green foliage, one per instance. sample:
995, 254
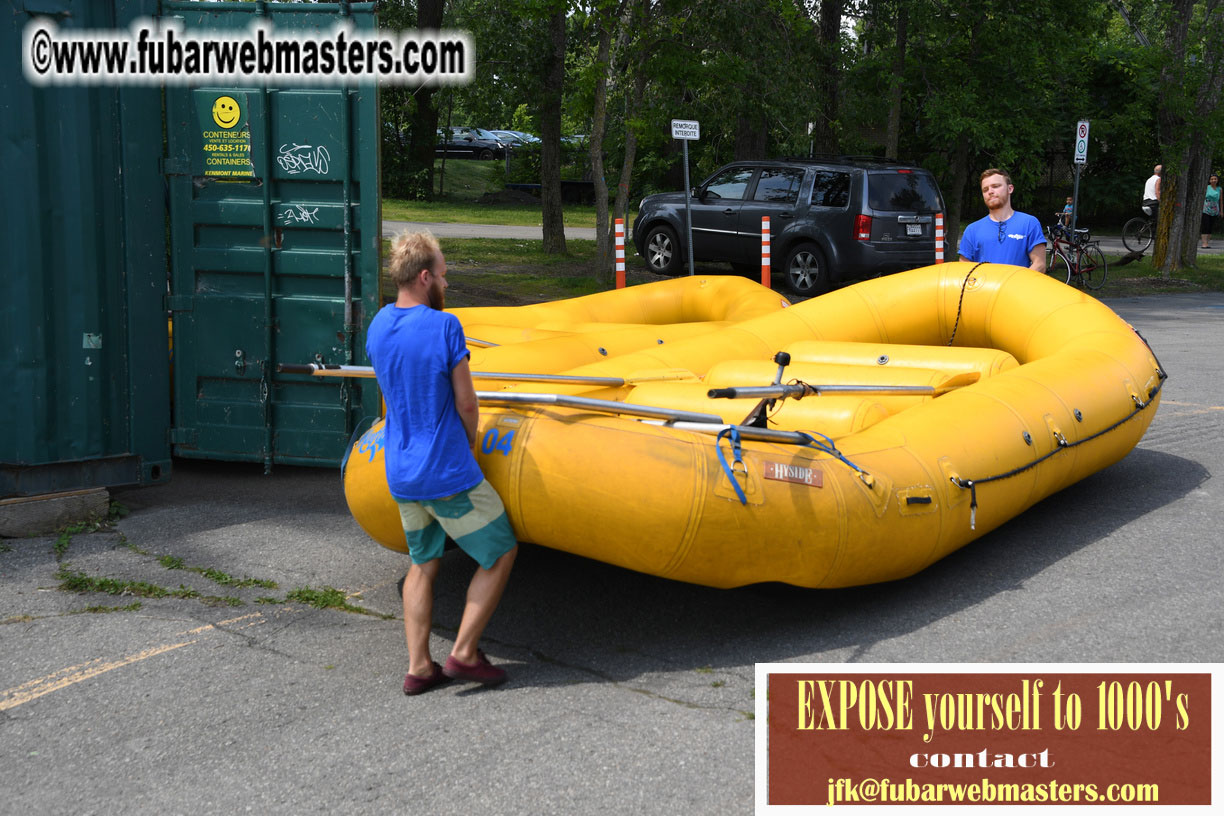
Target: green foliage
329, 598
981, 85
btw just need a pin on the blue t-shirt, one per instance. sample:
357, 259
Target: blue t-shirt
1021, 233
414, 351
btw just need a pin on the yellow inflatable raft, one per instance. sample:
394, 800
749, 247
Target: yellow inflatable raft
659, 429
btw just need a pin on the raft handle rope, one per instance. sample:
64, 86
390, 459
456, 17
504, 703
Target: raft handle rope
961, 302
1062, 444
732, 432
830, 447
737, 451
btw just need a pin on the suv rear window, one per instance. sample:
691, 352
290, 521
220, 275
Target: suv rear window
779, 186
830, 189
909, 192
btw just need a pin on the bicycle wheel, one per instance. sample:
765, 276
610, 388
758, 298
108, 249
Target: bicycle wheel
1059, 268
1147, 233
1137, 234
1093, 267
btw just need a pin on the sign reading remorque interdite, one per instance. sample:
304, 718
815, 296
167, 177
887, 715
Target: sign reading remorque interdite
688, 130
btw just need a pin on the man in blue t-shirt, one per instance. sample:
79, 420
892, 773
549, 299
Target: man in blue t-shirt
1004, 235
420, 357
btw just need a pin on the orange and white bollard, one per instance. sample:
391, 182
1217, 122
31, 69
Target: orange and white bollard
620, 253
939, 238
766, 274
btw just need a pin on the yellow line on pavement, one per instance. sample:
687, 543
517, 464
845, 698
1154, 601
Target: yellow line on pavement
63, 678
209, 626
1195, 405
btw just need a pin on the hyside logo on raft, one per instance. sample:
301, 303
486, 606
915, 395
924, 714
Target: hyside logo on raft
372, 441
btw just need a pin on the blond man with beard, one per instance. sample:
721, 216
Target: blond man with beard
421, 360
1004, 235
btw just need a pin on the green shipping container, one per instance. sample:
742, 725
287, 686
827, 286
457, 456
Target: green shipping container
84, 368
268, 260
275, 236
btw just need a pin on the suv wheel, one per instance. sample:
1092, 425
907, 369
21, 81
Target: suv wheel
486, 155
663, 250
806, 272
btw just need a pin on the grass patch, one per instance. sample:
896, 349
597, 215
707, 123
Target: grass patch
468, 179
482, 252
17, 619
461, 252
1141, 277
173, 562
329, 598
81, 583
518, 271
457, 212
115, 511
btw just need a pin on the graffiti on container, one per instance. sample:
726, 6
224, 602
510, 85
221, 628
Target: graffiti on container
296, 158
297, 214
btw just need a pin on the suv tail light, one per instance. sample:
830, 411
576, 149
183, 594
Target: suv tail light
862, 227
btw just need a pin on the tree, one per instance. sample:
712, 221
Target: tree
1191, 77
550, 131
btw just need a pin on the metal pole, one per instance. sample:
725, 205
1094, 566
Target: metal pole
1075, 199
688, 210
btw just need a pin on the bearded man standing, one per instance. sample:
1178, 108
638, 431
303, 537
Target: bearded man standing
1004, 235
421, 361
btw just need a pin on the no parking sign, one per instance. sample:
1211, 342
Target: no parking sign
1081, 142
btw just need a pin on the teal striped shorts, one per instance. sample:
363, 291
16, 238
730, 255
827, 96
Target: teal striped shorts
475, 519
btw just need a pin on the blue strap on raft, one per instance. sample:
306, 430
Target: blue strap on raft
733, 433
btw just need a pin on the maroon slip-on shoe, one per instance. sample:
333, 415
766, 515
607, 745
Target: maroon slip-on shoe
414, 684
482, 671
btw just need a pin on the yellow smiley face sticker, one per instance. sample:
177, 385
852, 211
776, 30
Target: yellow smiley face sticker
225, 112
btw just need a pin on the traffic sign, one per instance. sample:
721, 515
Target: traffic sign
1081, 142
688, 130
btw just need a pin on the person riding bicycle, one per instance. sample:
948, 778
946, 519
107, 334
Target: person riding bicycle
1150, 203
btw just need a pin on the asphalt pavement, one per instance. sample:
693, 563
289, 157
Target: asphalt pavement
628, 693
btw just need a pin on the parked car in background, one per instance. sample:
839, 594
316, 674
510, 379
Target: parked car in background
469, 143
831, 219
513, 138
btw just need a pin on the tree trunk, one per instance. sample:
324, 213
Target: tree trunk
828, 83
637, 19
960, 178
634, 103
751, 135
550, 136
605, 262
1171, 124
425, 113
892, 141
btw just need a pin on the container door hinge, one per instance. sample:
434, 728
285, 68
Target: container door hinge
184, 436
178, 303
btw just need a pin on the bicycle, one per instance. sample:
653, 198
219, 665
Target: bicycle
1075, 256
1137, 234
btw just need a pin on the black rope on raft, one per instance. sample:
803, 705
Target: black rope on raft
961, 302
1063, 444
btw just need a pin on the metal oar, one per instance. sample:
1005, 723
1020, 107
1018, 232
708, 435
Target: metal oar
801, 389
328, 370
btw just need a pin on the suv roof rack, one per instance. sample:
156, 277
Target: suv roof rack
823, 158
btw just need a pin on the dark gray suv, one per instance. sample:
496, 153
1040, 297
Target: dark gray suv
831, 219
